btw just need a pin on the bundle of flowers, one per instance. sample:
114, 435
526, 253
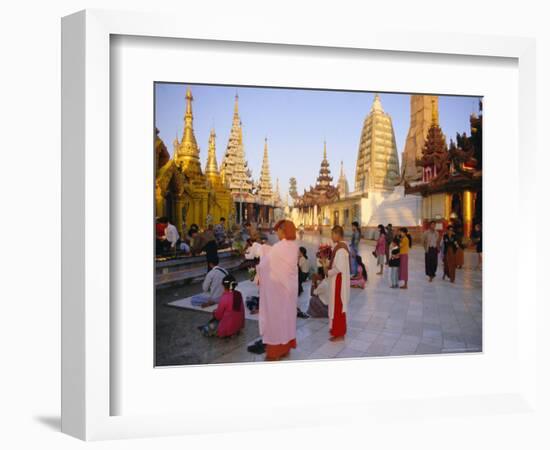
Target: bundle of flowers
252, 273
324, 252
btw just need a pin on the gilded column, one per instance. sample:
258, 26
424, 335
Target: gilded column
468, 205
448, 198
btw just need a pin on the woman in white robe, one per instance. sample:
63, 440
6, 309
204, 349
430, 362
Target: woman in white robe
278, 280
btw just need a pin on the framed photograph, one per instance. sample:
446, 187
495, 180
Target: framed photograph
290, 215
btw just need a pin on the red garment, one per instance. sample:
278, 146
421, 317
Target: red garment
339, 320
230, 321
278, 351
160, 228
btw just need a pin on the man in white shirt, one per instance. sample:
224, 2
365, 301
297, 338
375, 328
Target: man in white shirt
171, 235
212, 286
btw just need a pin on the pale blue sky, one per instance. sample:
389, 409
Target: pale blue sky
296, 122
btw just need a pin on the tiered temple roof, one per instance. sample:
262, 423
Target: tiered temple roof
324, 191
235, 173
377, 162
447, 169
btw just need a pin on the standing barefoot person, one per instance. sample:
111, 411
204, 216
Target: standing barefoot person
431, 242
354, 246
278, 279
450, 246
381, 249
404, 246
338, 272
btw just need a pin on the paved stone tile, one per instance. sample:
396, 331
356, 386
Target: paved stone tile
427, 349
350, 353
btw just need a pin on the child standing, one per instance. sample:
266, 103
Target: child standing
394, 262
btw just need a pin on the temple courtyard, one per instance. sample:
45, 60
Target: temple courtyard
427, 318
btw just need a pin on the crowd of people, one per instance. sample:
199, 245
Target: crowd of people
281, 269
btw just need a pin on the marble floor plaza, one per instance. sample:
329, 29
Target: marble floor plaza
427, 318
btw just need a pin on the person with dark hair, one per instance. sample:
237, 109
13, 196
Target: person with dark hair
278, 281
338, 273
212, 288
394, 262
380, 250
303, 268
450, 246
404, 246
389, 240
360, 279
431, 242
160, 234
228, 317
354, 245
205, 241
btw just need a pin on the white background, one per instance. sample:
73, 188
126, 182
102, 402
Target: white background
30, 84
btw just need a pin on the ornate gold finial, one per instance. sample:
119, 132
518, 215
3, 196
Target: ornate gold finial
325, 150
236, 107
435, 120
211, 163
189, 99
377, 104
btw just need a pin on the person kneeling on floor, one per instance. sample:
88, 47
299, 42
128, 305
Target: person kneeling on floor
228, 317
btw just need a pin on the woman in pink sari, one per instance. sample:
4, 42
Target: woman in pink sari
278, 279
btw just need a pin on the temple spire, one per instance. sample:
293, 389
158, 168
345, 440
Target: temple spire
236, 107
211, 162
187, 152
324, 150
265, 190
435, 120
377, 104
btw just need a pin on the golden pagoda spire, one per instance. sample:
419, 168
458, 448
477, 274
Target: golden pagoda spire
187, 153
211, 162
377, 104
236, 107
325, 150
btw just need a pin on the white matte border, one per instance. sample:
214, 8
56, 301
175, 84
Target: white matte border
98, 424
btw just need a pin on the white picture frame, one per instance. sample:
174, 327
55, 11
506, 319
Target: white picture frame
86, 248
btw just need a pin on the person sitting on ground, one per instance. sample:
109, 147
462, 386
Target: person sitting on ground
360, 279
320, 295
212, 288
228, 317
303, 268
